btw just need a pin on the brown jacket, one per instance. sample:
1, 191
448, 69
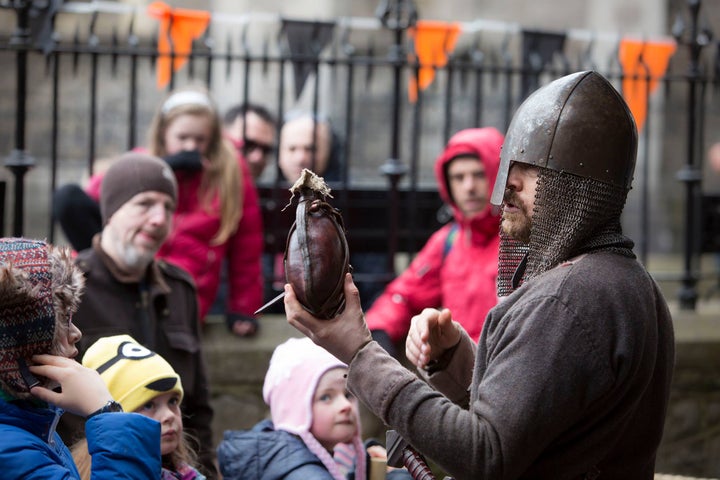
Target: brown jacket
570, 380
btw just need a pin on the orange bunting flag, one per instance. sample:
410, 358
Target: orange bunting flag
178, 28
434, 40
640, 60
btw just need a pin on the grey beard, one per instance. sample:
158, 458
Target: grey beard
132, 259
135, 260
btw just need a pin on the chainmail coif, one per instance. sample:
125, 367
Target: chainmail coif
573, 215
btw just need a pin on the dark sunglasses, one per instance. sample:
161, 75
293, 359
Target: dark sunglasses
251, 146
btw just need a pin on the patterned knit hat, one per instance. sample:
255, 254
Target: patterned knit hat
292, 377
37, 281
133, 374
134, 173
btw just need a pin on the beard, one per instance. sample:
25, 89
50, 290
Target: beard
135, 258
516, 225
132, 257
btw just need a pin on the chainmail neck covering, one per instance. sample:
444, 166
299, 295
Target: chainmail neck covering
573, 215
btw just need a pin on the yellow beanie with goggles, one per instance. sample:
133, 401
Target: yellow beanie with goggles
133, 374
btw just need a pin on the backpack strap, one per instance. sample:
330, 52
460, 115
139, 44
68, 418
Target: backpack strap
450, 239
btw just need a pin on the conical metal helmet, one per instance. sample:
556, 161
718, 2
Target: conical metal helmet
577, 124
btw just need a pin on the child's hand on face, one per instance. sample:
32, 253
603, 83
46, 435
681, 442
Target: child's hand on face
83, 390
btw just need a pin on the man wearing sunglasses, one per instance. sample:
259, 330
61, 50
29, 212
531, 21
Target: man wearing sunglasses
252, 129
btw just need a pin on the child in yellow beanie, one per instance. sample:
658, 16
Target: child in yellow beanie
142, 382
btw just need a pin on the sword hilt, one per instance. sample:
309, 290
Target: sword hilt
416, 465
402, 454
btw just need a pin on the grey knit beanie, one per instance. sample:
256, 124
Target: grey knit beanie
134, 173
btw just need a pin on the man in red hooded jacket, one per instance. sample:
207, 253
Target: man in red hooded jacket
457, 267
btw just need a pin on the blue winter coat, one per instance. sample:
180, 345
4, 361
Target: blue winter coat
122, 445
264, 453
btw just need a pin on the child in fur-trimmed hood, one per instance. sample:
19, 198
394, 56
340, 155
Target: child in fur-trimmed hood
40, 289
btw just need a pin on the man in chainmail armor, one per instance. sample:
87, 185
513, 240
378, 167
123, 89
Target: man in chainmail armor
571, 375
583, 136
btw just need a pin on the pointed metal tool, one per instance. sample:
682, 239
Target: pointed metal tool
271, 302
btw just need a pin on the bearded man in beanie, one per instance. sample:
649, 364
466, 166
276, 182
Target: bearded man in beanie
131, 292
40, 290
571, 375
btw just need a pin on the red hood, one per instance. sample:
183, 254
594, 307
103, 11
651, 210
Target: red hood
484, 143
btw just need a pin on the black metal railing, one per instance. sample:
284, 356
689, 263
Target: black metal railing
77, 100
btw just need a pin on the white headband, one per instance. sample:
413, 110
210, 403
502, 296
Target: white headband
188, 97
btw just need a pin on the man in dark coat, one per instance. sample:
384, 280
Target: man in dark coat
130, 292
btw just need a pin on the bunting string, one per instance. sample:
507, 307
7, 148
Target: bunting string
357, 23
643, 62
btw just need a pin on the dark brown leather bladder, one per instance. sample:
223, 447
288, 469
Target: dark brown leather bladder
316, 254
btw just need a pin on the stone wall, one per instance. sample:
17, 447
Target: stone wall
691, 443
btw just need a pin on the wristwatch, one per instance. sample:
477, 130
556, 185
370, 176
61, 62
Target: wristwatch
110, 407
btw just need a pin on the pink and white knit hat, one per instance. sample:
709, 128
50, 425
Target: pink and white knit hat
292, 377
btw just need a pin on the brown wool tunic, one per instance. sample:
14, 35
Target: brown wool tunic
571, 375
